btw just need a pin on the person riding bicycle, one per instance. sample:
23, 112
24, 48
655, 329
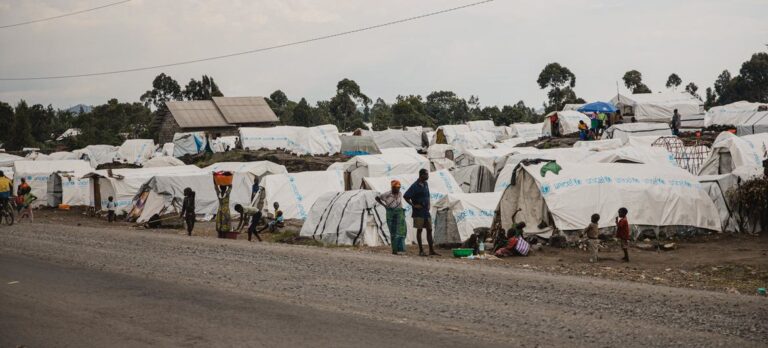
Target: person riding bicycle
5, 190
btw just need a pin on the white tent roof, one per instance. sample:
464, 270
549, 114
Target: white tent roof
392, 138
624, 131
526, 130
136, 151
163, 161
37, 174
320, 140
7, 160
659, 107
347, 218
191, 143
716, 187
484, 157
437, 151
98, 154
440, 183
385, 164
222, 144
731, 114
569, 122
63, 155
451, 131
297, 192
654, 195
746, 151
257, 168
166, 193
472, 140
469, 211
396, 150
606, 144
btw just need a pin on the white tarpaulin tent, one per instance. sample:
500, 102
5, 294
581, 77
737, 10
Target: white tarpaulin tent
245, 174
731, 114
136, 151
69, 188
163, 161
447, 133
191, 143
320, 140
297, 192
392, 138
61, 156
98, 154
488, 126
38, 173
569, 122
473, 140
526, 130
440, 157
745, 121
402, 150
164, 194
125, 184
383, 165
474, 178
440, 183
7, 160
7, 171
657, 107
484, 157
624, 131
654, 196
600, 145
716, 187
224, 144
730, 152
459, 214
347, 218
567, 154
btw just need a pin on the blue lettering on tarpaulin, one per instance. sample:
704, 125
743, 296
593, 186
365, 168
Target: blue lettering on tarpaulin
446, 181
599, 180
545, 189
654, 181
436, 196
567, 183
295, 189
628, 180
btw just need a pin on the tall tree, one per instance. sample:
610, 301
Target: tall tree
691, 88
343, 105
711, 98
381, 115
21, 131
302, 114
410, 111
754, 73
517, 113
633, 79
164, 88
674, 81
445, 107
6, 121
205, 89
560, 81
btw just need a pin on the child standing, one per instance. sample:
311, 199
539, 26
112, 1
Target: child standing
622, 232
593, 242
111, 209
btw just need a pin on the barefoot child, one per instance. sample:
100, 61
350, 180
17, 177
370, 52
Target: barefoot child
622, 232
592, 234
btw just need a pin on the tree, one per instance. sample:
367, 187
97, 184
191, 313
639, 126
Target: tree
107, 123
409, 111
691, 88
754, 73
6, 121
560, 81
711, 98
674, 81
278, 99
21, 131
633, 79
517, 113
164, 88
343, 105
446, 108
302, 114
381, 115
205, 89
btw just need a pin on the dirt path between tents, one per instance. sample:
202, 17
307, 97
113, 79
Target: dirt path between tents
499, 301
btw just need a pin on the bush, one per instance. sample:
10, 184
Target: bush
750, 200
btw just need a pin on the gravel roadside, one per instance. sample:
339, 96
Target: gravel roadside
478, 300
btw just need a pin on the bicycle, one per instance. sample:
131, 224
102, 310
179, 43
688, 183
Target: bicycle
6, 213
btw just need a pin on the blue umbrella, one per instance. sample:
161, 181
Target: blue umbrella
598, 107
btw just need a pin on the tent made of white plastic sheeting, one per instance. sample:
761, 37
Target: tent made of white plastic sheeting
473, 140
393, 138
245, 175
440, 183
347, 218
69, 133
7, 160
38, 173
654, 196
484, 157
356, 145
524, 153
512, 143
526, 130
643, 140
163, 161
191, 143
383, 165
606, 144
440, 157
624, 131
732, 114
657, 107
98, 154
69, 188
224, 144
716, 187
488, 126
745, 121
474, 178
7, 172
504, 177
320, 140
447, 133
297, 192
458, 215
568, 120
165, 150
62, 156
136, 151
572, 107
163, 194
730, 152
415, 129
123, 185
692, 122
400, 150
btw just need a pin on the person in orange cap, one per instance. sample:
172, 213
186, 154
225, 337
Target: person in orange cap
393, 202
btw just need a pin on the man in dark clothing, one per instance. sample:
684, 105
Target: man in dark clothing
418, 197
188, 209
255, 217
255, 188
676, 123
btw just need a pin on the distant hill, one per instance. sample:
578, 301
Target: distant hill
76, 109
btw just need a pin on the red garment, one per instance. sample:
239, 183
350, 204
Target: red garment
508, 250
622, 229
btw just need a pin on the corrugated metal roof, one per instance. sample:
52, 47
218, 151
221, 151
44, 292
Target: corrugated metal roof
241, 110
196, 114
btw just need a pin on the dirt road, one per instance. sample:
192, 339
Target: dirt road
82, 286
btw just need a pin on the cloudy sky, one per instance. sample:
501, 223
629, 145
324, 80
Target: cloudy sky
494, 51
